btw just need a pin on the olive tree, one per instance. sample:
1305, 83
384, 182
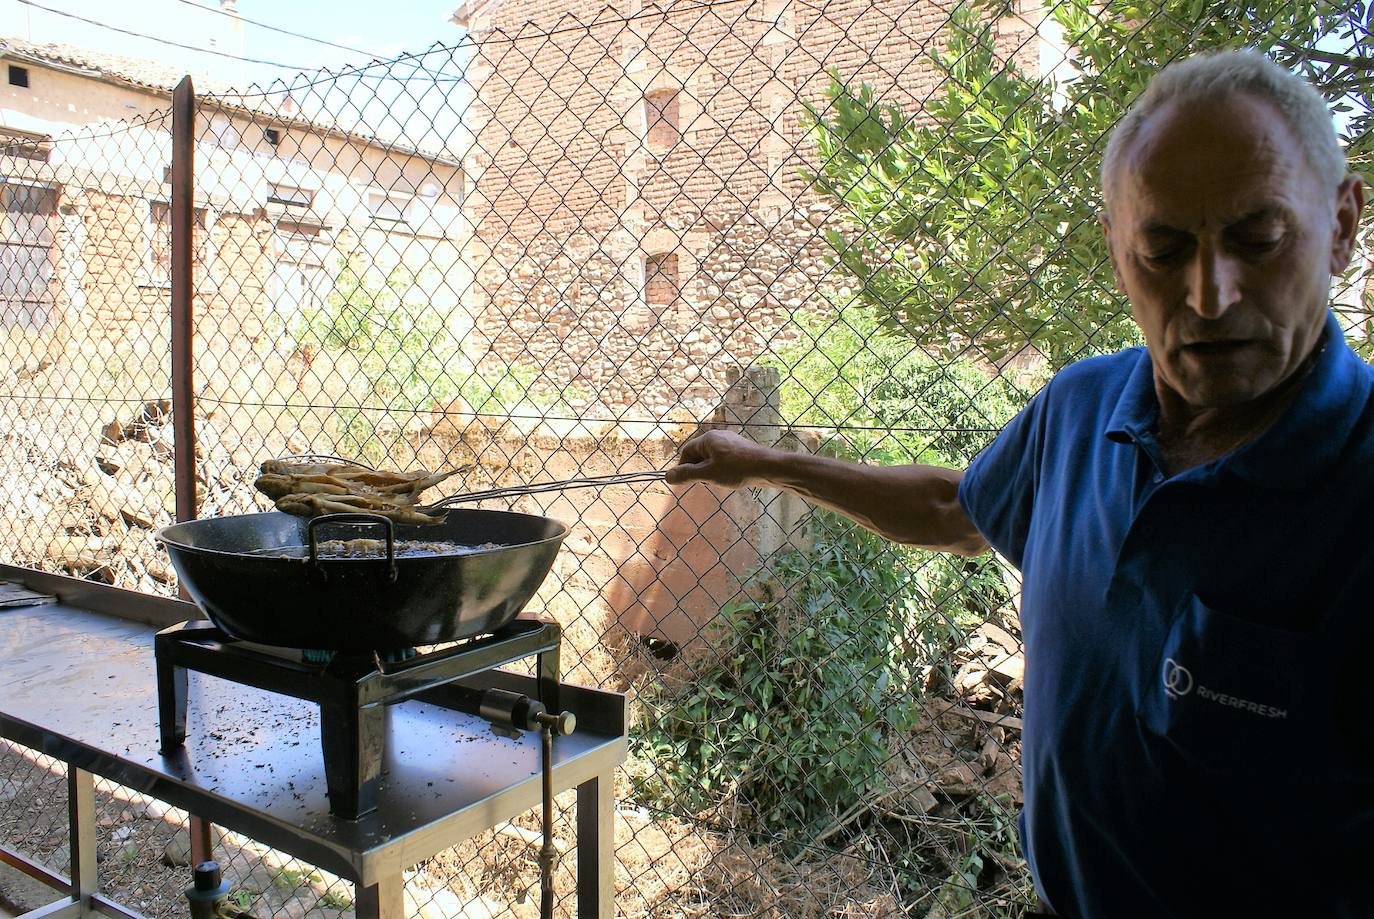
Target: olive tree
973, 224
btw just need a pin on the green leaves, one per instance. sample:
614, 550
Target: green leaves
393, 356
974, 229
813, 674
883, 399
791, 713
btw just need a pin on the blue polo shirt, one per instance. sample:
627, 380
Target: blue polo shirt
1199, 648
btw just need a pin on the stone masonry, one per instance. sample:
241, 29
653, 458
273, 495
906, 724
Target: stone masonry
572, 190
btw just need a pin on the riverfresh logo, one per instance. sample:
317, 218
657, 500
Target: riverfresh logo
1178, 679
1179, 682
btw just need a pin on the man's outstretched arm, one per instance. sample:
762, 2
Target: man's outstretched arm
914, 505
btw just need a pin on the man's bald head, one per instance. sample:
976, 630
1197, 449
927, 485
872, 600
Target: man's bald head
1209, 77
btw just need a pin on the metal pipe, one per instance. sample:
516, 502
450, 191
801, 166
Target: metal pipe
81, 835
183, 329
562, 724
202, 840
547, 853
183, 325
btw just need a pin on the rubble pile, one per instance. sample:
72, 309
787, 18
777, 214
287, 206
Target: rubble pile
86, 497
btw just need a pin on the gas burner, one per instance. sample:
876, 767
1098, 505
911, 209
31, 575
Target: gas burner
352, 690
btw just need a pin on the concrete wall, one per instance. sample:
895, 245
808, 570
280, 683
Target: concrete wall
654, 561
58, 98
110, 156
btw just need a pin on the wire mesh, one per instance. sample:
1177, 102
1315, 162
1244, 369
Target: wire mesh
33, 818
558, 249
143, 850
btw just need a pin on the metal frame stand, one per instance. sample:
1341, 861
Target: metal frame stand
595, 861
100, 638
352, 694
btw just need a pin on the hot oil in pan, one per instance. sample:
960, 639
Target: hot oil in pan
375, 548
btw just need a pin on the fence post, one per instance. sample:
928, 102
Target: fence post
183, 324
183, 327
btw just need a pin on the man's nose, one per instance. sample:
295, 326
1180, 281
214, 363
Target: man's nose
1214, 285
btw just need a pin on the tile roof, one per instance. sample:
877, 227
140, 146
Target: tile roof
161, 78
103, 64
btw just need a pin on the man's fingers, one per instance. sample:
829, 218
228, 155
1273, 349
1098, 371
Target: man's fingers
697, 449
686, 472
713, 456
690, 453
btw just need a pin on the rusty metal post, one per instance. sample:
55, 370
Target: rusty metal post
183, 328
183, 322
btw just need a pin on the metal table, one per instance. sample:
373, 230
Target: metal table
77, 683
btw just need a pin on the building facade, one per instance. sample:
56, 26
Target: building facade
283, 202
638, 184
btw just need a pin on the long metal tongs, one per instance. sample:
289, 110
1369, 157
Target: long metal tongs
519, 491
510, 491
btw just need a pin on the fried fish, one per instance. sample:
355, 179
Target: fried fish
312, 489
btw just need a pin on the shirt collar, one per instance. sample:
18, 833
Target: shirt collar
1305, 441
1133, 419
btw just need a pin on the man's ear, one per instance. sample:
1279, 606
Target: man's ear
1105, 222
1349, 203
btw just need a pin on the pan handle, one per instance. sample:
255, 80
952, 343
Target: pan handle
374, 519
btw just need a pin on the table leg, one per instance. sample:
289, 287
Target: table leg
202, 845
383, 900
353, 740
171, 704
596, 847
81, 835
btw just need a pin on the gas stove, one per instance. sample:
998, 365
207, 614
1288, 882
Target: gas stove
353, 691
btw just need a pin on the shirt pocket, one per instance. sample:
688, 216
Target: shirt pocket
1233, 696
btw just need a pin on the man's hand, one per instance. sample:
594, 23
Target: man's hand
915, 505
721, 458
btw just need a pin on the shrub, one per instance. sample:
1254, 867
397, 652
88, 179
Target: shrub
882, 399
791, 711
822, 660
397, 356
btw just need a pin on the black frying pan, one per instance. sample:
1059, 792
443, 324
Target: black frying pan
360, 605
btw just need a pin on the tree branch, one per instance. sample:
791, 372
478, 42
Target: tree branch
1354, 61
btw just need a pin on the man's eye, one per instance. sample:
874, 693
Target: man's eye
1164, 254
1258, 242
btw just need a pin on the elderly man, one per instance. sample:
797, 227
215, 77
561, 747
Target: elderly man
1192, 523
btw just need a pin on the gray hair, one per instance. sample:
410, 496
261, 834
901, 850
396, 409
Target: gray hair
1220, 73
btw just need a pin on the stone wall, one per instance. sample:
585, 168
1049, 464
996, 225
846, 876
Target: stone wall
564, 309
569, 195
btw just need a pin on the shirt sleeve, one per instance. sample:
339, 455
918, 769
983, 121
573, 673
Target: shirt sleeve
998, 488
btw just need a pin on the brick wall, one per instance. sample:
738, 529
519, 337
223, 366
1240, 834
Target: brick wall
569, 197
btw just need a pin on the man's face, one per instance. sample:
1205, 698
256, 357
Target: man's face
1225, 243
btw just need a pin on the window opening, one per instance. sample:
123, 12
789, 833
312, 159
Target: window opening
385, 205
300, 277
289, 195
19, 76
660, 279
25, 145
27, 213
661, 112
158, 259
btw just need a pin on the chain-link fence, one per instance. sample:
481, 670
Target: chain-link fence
560, 247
